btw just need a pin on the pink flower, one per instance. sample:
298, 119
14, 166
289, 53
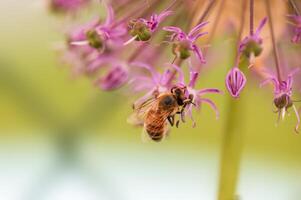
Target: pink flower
102, 35
252, 44
152, 83
115, 78
184, 43
235, 81
195, 94
141, 29
283, 94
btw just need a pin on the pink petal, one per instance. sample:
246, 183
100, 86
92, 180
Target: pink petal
197, 28
261, 25
198, 53
110, 15
212, 105
155, 75
209, 90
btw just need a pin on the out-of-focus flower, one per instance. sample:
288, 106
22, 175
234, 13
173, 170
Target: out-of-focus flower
295, 20
80, 56
67, 6
141, 29
235, 81
184, 43
102, 35
251, 45
116, 76
283, 95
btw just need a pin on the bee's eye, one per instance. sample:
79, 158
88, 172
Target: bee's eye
167, 101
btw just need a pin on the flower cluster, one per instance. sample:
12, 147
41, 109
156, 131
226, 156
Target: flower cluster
126, 48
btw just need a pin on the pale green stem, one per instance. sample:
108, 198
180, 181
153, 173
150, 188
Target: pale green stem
232, 144
232, 139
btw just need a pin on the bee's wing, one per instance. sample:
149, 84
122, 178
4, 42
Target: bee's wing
144, 135
137, 118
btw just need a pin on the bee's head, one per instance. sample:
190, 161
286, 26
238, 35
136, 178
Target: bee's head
179, 93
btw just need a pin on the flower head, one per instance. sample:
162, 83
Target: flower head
235, 81
153, 83
251, 45
283, 95
184, 44
152, 80
296, 22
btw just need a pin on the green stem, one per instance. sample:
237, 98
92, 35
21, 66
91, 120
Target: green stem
232, 145
232, 141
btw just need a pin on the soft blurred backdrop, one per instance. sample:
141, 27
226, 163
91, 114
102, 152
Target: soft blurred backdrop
62, 138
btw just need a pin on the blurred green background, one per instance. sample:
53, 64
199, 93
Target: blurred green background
62, 138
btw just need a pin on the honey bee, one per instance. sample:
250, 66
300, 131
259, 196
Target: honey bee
158, 111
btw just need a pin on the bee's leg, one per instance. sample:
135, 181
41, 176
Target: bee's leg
177, 123
189, 100
171, 120
182, 114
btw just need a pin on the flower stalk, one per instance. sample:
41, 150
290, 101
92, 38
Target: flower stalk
251, 17
295, 8
207, 10
275, 50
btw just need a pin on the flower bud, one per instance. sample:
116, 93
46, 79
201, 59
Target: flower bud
235, 81
251, 47
114, 79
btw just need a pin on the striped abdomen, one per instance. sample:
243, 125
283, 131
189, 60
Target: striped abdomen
155, 125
